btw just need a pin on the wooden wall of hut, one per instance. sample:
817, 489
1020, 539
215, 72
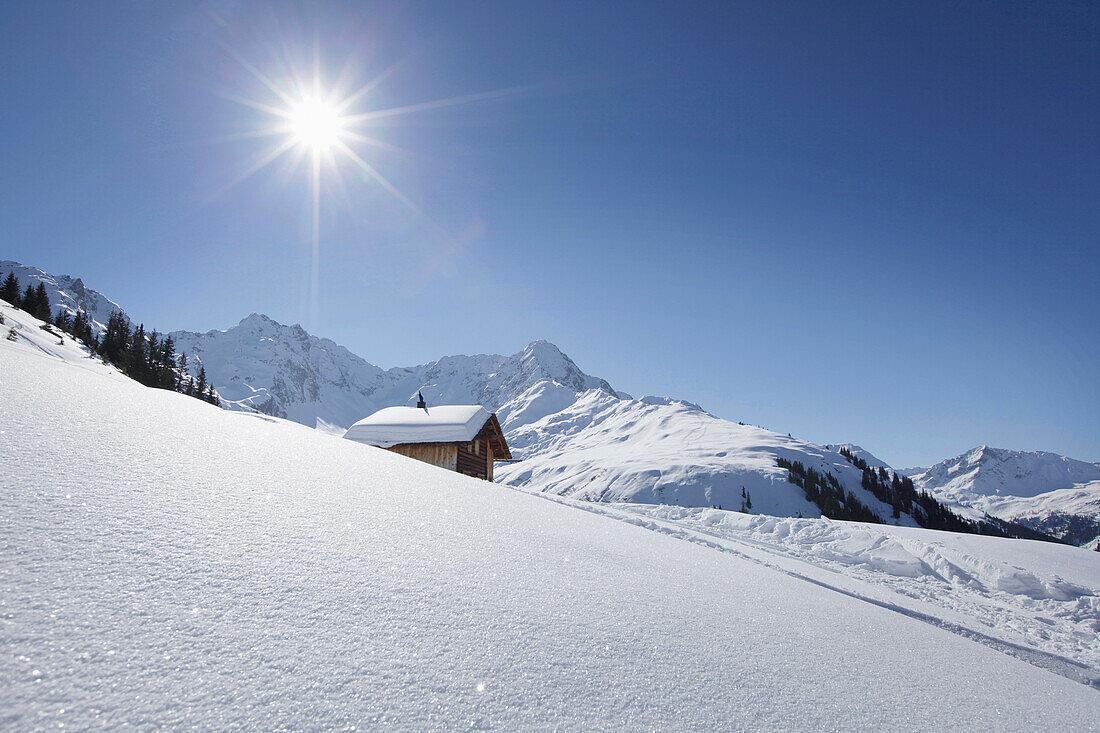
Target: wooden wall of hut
475, 459
444, 455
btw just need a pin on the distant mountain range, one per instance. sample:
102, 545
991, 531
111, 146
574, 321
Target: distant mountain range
284, 371
577, 436
1044, 491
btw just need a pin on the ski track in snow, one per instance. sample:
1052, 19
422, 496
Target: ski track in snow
984, 615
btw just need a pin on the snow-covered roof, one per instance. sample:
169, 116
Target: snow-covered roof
392, 426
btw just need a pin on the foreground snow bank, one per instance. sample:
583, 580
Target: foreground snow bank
168, 564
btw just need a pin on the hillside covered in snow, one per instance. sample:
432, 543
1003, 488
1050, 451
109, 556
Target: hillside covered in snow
577, 436
170, 564
660, 451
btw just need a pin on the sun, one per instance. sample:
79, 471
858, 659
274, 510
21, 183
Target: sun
321, 123
316, 124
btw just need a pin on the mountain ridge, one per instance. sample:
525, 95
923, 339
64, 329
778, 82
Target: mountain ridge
576, 434
66, 293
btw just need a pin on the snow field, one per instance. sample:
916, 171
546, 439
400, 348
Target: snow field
169, 564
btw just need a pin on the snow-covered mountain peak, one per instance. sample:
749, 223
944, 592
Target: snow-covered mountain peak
548, 361
285, 371
1046, 491
259, 320
989, 471
669, 402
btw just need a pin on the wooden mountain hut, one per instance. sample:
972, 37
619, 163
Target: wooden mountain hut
463, 438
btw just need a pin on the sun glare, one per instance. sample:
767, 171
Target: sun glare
316, 124
319, 121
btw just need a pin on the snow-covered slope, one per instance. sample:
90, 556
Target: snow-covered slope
1030, 487
860, 452
166, 564
284, 371
23, 333
662, 451
66, 293
1015, 595
576, 434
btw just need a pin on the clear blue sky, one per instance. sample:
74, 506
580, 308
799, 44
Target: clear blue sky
873, 222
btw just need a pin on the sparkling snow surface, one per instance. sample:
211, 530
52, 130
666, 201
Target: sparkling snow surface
169, 564
439, 424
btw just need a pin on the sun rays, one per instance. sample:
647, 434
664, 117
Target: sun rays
317, 127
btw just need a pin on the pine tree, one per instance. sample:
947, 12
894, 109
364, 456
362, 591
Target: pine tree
41, 304
152, 360
211, 395
63, 321
748, 500
82, 329
9, 291
200, 385
27, 301
167, 363
115, 345
137, 365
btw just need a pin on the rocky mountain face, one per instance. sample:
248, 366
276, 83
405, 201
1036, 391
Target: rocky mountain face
66, 293
283, 371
